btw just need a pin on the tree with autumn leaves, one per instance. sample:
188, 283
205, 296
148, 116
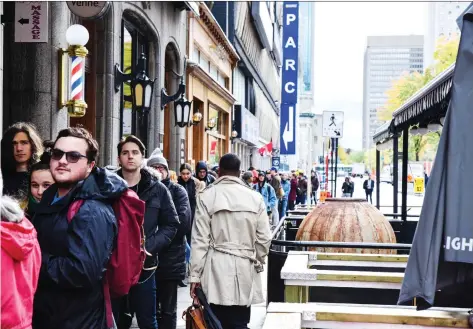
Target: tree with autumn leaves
420, 147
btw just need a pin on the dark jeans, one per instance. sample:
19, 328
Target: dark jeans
292, 204
301, 199
142, 302
314, 197
369, 193
232, 317
166, 301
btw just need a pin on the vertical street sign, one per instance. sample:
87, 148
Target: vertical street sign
332, 124
31, 21
290, 35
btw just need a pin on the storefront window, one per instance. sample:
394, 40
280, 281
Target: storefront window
218, 135
133, 44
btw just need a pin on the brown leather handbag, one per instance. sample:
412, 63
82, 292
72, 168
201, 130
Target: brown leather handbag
194, 317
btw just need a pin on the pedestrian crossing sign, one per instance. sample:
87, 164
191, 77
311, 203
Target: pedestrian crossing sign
332, 124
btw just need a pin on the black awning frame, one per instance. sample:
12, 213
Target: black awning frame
424, 103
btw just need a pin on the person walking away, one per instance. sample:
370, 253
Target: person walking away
301, 189
268, 193
70, 291
352, 183
293, 193
172, 261
39, 181
286, 186
346, 188
230, 241
202, 173
160, 226
314, 180
21, 264
21, 148
274, 180
368, 186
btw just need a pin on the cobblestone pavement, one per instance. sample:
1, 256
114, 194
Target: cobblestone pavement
258, 311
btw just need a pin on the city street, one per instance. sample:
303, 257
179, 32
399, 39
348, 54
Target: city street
414, 202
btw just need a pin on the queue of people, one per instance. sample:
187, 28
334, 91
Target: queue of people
62, 226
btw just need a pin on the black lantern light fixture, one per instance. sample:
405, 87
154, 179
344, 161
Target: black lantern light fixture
141, 86
182, 111
182, 107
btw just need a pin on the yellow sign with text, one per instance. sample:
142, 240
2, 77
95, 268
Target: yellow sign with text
419, 185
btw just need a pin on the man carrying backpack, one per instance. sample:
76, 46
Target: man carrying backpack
75, 253
160, 225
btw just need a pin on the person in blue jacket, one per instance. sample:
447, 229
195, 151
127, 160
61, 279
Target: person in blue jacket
267, 191
75, 255
286, 186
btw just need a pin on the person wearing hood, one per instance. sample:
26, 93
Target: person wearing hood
160, 225
172, 261
21, 264
202, 173
70, 291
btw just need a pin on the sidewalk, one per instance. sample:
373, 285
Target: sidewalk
258, 311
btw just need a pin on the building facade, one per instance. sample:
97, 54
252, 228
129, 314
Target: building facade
386, 59
209, 86
128, 29
441, 21
254, 28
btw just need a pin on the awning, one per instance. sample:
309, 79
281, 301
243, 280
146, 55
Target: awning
424, 102
383, 132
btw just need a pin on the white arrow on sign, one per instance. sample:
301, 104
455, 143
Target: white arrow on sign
288, 135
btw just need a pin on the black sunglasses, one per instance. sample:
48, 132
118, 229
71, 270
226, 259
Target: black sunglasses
72, 156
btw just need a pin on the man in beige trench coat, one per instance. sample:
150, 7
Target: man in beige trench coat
230, 240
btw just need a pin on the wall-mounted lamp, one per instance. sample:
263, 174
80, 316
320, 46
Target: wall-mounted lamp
77, 37
182, 111
211, 124
196, 119
141, 86
234, 133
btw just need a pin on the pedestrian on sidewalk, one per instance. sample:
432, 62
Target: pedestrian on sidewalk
70, 291
293, 191
230, 241
21, 148
269, 196
172, 260
160, 226
20, 263
368, 186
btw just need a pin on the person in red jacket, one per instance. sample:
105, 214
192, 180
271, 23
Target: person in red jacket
21, 263
293, 192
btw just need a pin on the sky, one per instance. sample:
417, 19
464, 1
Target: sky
340, 36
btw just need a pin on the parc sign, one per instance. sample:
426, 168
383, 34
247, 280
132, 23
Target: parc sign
290, 53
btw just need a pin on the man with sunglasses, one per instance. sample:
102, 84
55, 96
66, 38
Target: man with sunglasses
160, 225
75, 254
172, 261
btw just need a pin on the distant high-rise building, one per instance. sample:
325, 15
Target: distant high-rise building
386, 59
441, 21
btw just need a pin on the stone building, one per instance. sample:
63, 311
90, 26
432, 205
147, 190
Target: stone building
32, 83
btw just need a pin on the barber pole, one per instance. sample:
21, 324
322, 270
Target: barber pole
77, 78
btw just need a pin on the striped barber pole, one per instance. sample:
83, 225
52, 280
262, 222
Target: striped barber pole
77, 78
